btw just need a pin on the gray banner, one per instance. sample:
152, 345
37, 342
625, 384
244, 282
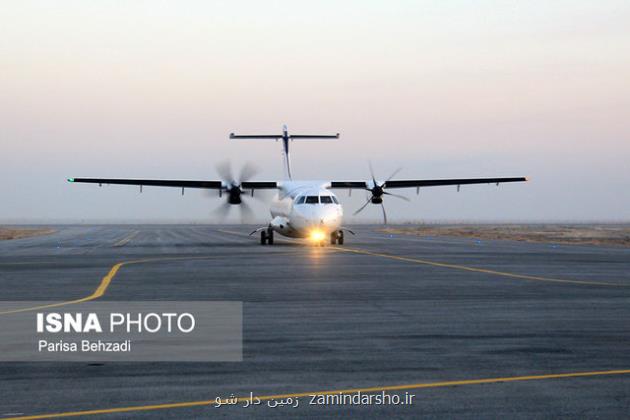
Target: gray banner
121, 331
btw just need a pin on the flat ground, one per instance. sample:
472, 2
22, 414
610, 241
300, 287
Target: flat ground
18, 233
579, 234
474, 328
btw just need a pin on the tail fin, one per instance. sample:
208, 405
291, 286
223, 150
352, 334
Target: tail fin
285, 137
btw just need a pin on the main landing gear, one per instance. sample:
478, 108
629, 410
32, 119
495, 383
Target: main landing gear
336, 237
266, 237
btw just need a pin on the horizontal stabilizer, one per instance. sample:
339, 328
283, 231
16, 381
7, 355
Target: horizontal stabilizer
286, 139
279, 136
256, 136
313, 136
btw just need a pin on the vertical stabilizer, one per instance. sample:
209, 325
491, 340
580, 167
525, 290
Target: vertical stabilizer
286, 139
285, 152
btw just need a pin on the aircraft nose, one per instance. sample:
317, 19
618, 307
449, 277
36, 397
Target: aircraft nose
329, 216
317, 216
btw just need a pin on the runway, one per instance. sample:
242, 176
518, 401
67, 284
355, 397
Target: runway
472, 328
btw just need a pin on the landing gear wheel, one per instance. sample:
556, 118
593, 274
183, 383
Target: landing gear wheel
266, 237
336, 237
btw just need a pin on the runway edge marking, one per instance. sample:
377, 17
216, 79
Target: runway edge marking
124, 241
189, 404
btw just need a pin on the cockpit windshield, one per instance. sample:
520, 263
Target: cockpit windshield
314, 199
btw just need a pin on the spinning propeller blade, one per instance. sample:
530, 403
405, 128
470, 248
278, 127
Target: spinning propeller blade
233, 192
377, 192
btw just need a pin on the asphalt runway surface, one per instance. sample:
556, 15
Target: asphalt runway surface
475, 329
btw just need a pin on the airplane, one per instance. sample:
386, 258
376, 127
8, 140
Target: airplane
300, 209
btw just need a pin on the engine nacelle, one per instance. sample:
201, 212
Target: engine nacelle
234, 195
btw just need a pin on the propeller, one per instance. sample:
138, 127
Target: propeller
377, 192
233, 191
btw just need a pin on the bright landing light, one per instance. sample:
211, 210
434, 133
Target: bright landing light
317, 235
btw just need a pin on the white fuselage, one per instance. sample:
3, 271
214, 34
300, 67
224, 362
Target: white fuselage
303, 207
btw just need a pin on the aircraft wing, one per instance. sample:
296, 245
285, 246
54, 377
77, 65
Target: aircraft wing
409, 183
259, 185
348, 184
250, 185
417, 183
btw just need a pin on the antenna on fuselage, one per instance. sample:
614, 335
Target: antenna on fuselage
285, 137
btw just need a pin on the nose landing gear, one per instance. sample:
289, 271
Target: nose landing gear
336, 237
266, 237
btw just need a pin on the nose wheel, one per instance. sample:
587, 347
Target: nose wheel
266, 237
336, 237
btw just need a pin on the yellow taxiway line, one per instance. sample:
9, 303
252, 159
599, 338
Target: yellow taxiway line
459, 266
100, 291
107, 279
406, 387
476, 270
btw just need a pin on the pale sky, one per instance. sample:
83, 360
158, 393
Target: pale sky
152, 89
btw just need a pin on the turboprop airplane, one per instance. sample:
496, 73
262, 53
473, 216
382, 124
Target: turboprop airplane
301, 209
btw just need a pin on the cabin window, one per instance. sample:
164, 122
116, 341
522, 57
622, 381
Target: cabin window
326, 199
312, 199
300, 200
